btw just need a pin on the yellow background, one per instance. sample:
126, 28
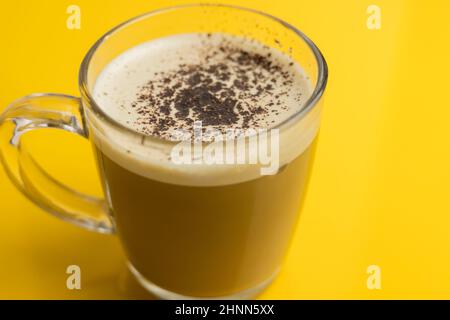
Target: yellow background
380, 190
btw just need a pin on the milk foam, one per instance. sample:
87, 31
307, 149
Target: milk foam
121, 82
118, 85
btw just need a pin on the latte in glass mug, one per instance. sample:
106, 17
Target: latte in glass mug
204, 133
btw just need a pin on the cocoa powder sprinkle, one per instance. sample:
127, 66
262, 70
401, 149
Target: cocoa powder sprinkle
222, 91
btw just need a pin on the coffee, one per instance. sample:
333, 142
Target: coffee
202, 230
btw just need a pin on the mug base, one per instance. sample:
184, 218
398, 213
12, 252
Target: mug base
169, 295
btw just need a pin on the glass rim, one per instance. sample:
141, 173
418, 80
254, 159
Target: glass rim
87, 95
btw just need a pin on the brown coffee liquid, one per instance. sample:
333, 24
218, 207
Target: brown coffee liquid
206, 241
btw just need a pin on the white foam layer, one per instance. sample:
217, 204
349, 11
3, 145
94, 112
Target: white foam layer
119, 83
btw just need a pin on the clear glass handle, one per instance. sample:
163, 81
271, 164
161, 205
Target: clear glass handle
40, 111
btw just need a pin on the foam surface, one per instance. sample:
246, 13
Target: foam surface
224, 81
119, 86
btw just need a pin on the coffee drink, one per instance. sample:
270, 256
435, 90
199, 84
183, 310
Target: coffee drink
197, 229
203, 120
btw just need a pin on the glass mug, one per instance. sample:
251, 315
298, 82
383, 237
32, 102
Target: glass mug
224, 239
